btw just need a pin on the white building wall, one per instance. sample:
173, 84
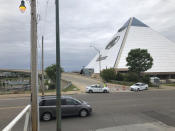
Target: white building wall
161, 49
111, 54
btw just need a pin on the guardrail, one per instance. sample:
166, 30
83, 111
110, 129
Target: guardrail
26, 111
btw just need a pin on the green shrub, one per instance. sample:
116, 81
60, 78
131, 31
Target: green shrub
123, 83
145, 79
46, 82
52, 87
71, 88
119, 77
108, 74
131, 76
1, 84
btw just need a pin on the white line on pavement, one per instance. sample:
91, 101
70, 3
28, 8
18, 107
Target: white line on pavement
9, 99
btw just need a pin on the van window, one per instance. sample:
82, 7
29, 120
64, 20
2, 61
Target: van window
50, 102
71, 102
63, 102
42, 103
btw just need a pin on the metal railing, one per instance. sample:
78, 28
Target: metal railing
26, 111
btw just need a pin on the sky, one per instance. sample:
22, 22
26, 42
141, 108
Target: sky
82, 23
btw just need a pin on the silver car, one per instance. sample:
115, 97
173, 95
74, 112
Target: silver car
69, 107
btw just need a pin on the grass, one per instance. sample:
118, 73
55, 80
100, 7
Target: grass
70, 88
126, 83
48, 91
172, 84
123, 83
15, 78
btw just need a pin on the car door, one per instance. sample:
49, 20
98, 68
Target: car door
142, 86
48, 106
100, 88
63, 107
71, 107
95, 88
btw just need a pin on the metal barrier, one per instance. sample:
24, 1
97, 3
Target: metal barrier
26, 111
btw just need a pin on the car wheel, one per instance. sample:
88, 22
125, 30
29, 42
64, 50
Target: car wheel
83, 113
47, 116
90, 91
105, 91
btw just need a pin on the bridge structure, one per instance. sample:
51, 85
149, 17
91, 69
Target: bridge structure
27, 71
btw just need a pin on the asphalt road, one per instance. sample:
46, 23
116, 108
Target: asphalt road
9, 108
121, 109
109, 110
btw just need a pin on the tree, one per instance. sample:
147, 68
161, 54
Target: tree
139, 60
51, 72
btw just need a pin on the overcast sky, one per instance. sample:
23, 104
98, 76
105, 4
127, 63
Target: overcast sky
82, 22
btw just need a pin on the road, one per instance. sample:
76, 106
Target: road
110, 111
119, 109
9, 108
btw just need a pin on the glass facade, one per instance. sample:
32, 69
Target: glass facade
112, 43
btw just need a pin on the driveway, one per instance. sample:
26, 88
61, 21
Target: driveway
80, 81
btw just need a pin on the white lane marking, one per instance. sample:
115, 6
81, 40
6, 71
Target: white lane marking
11, 107
9, 99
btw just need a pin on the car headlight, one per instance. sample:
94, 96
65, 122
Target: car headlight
88, 106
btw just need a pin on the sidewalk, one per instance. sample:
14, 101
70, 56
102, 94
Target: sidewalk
122, 88
163, 88
28, 95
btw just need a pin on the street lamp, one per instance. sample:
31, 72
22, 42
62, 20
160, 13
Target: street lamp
22, 6
99, 59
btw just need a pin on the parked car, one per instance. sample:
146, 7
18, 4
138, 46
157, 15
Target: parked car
69, 107
139, 86
97, 88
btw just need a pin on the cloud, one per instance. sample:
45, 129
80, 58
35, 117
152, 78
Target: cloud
82, 23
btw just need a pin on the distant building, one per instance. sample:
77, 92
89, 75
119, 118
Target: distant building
7, 74
135, 34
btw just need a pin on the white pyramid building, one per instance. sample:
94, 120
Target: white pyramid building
135, 34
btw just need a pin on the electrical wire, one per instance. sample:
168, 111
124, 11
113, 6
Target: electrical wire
42, 21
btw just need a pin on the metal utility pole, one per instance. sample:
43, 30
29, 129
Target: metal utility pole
58, 72
34, 72
42, 81
98, 58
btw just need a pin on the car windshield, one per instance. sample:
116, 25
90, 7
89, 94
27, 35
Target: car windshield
81, 101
